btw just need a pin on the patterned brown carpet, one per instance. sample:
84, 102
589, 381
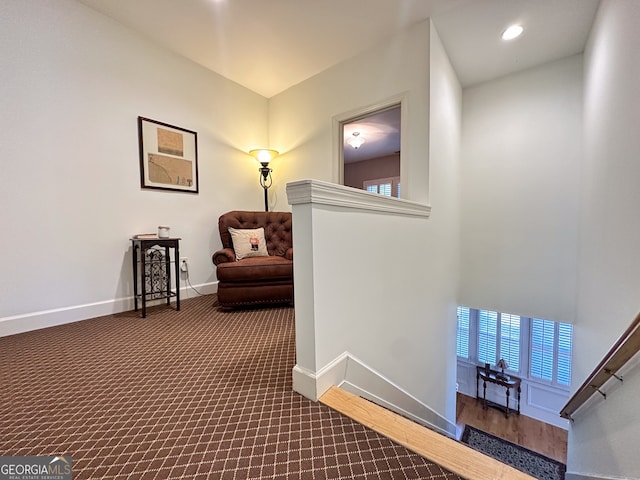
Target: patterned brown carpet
196, 394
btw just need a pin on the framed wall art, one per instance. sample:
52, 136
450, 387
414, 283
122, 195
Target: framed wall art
168, 156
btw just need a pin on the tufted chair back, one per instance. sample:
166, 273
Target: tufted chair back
277, 228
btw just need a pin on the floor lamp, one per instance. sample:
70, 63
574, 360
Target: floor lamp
264, 156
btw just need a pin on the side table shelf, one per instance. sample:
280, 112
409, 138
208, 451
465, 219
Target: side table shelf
152, 260
493, 376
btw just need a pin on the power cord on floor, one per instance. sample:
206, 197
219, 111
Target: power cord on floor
185, 269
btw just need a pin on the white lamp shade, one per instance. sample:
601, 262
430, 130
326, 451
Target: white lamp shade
264, 155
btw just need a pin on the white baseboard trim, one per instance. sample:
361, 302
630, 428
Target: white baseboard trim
579, 476
312, 385
59, 316
304, 382
202, 289
348, 372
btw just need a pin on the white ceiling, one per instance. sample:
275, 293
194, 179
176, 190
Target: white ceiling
380, 132
554, 29
270, 45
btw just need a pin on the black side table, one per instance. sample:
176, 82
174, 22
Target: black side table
493, 376
152, 263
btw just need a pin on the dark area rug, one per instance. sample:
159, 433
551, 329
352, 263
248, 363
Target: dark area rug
533, 463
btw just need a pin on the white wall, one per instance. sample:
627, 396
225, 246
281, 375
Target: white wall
300, 119
521, 150
379, 286
445, 110
376, 310
72, 85
603, 440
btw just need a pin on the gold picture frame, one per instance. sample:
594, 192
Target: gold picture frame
168, 156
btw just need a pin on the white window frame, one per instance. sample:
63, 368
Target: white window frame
347, 117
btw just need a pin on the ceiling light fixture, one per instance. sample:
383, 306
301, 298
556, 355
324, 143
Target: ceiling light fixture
514, 31
355, 140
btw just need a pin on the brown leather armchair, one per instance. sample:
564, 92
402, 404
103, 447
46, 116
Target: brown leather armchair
255, 280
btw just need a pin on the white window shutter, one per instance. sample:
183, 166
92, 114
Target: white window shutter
487, 336
462, 340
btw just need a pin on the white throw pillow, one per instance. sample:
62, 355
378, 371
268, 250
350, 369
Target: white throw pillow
249, 242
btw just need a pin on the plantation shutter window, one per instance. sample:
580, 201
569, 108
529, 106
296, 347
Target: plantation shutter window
537, 349
462, 339
551, 345
389, 187
487, 336
565, 344
510, 340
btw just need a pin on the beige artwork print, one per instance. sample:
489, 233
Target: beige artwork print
170, 170
170, 142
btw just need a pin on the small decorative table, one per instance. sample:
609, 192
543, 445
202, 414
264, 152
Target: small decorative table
508, 382
152, 262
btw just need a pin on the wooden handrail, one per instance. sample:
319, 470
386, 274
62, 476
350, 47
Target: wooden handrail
625, 347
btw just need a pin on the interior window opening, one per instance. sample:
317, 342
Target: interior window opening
371, 151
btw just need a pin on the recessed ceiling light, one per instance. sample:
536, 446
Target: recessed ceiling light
512, 32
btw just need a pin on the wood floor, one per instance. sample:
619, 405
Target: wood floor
532, 434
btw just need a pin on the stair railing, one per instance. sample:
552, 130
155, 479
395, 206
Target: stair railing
625, 347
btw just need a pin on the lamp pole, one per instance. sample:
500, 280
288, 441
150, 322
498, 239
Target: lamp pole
265, 182
266, 200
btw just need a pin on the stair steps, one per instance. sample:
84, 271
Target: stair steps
446, 452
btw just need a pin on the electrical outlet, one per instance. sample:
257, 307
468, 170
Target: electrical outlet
184, 264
